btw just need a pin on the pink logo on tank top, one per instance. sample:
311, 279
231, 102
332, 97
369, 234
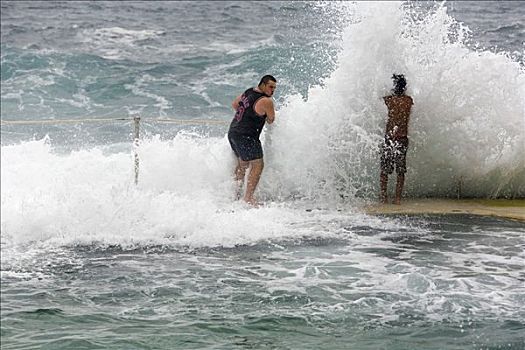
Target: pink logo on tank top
244, 103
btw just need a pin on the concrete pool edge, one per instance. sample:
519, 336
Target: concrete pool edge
513, 209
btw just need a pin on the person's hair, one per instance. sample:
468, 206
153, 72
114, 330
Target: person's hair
400, 84
266, 79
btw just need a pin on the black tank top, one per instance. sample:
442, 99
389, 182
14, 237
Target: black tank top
246, 121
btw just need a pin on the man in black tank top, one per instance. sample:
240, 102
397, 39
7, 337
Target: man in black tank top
252, 109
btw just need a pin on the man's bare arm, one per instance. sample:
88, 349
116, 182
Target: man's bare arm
235, 103
270, 111
265, 106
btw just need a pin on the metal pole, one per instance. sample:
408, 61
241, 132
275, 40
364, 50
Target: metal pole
460, 184
136, 119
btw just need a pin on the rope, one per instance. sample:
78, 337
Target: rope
69, 121
191, 121
59, 121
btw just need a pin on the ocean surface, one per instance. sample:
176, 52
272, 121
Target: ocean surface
91, 260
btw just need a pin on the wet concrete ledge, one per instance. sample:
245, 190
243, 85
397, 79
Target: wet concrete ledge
513, 209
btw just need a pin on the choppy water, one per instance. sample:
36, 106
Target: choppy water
336, 282
89, 260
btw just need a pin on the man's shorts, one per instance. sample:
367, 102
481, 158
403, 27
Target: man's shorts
394, 154
246, 147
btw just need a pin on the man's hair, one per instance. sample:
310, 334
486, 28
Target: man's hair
266, 79
400, 84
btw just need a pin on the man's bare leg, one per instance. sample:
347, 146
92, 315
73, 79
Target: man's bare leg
399, 188
383, 182
256, 168
240, 171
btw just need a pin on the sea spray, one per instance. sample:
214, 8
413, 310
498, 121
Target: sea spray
466, 127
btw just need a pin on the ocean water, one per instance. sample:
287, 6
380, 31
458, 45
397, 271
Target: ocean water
91, 260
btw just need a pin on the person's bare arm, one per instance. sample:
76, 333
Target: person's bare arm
235, 103
270, 111
265, 106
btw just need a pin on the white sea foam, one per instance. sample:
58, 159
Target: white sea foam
115, 42
467, 123
117, 34
184, 197
139, 88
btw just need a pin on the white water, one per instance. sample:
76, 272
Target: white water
185, 196
468, 121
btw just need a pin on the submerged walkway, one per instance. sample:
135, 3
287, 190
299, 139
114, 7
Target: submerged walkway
513, 209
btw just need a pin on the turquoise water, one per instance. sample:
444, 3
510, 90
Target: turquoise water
89, 260
452, 282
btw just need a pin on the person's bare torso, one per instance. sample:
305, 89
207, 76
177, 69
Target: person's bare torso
399, 107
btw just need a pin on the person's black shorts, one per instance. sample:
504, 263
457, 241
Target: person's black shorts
394, 154
246, 147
